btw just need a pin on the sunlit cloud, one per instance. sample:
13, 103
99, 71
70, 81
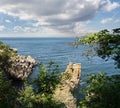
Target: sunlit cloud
2, 28
62, 16
106, 20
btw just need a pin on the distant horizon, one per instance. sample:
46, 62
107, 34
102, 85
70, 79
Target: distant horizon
37, 37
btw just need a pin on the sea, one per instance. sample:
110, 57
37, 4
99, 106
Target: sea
61, 52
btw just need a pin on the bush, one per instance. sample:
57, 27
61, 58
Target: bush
7, 93
101, 92
48, 78
5, 56
41, 96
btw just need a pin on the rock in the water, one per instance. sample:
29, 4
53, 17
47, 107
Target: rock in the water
21, 67
14, 49
70, 81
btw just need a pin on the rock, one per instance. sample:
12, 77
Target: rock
21, 67
14, 49
69, 82
30, 59
1, 51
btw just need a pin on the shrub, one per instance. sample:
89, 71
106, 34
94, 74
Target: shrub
101, 92
7, 93
41, 96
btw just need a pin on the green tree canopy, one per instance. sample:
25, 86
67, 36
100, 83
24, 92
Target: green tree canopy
106, 44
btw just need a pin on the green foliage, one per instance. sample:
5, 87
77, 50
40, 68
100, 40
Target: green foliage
106, 44
48, 78
41, 96
37, 95
7, 93
30, 99
102, 91
5, 55
66, 76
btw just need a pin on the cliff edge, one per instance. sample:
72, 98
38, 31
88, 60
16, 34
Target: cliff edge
17, 66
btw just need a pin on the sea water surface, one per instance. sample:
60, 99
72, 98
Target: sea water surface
59, 51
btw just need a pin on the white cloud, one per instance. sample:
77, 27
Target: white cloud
7, 21
69, 10
2, 28
80, 29
111, 6
106, 20
58, 15
19, 29
117, 21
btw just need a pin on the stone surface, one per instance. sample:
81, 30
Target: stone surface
21, 66
13, 49
70, 81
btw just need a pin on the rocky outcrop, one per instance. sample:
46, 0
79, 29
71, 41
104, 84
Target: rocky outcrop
15, 65
69, 82
21, 66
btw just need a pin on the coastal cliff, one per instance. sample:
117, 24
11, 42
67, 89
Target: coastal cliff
17, 66
21, 66
69, 82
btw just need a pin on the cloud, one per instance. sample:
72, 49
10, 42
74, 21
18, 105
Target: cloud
59, 15
19, 29
106, 20
117, 21
2, 28
109, 20
7, 21
111, 6
49, 10
81, 29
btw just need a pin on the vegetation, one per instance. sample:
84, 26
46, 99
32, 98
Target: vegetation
47, 79
106, 44
37, 94
41, 95
102, 91
5, 55
7, 93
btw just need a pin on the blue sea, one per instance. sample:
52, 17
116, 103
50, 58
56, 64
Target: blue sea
59, 51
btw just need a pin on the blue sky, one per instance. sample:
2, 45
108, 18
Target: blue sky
57, 18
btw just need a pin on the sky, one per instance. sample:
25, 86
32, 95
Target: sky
57, 18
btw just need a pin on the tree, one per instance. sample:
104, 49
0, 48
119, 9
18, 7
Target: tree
5, 55
48, 78
7, 92
40, 93
105, 44
102, 91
